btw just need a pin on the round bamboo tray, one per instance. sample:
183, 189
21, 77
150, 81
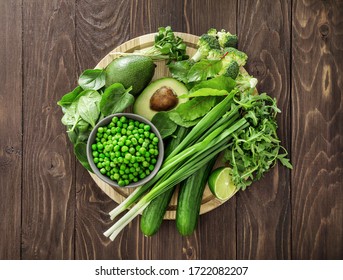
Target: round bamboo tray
209, 202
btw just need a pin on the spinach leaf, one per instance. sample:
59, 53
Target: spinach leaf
92, 79
203, 70
80, 151
196, 107
205, 92
164, 124
220, 83
177, 118
88, 109
115, 99
69, 98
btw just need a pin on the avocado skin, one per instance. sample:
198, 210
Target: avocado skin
134, 70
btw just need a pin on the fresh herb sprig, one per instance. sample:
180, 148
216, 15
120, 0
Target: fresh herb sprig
167, 46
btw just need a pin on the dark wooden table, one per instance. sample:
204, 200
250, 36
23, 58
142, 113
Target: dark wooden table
51, 209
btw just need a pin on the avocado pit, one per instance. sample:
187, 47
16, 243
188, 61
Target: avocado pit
163, 99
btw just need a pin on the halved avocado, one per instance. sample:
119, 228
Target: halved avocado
160, 95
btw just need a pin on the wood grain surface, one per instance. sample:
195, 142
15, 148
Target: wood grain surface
264, 216
317, 138
51, 207
10, 129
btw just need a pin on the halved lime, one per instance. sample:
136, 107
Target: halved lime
221, 184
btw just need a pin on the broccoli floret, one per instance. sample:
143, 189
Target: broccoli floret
232, 70
245, 82
212, 32
215, 54
226, 39
205, 44
234, 54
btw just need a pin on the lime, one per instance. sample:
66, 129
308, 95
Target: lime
221, 184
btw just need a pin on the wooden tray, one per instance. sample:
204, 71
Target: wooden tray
209, 202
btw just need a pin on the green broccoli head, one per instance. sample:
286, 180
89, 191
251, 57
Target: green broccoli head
212, 32
205, 44
226, 39
234, 54
215, 54
232, 70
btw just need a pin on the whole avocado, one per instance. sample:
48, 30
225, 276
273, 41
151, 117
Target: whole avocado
134, 70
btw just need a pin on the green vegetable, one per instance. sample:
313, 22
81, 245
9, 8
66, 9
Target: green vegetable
115, 99
219, 82
207, 92
134, 71
164, 124
125, 150
203, 70
180, 69
195, 108
206, 43
160, 95
232, 70
167, 47
68, 98
189, 199
226, 39
80, 150
152, 216
92, 79
177, 119
88, 109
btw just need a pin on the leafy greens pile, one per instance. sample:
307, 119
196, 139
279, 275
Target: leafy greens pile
224, 114
87, 104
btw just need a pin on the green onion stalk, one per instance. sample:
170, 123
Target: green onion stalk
185, 161
203, 129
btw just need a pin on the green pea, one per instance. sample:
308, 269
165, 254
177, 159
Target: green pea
95, 154
94, 147
102, 170
96, 160
115, 119
151, 167
147, 127
100, 146
124, 149
121, 183
101, 129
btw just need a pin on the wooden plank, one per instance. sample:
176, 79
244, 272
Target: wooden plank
146, 17
49, 72
263, 212
10, 128
317, 190
100, 27
215, 237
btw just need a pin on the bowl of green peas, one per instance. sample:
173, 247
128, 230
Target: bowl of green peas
125, 150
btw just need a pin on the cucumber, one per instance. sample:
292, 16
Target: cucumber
152, 216
189, 199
